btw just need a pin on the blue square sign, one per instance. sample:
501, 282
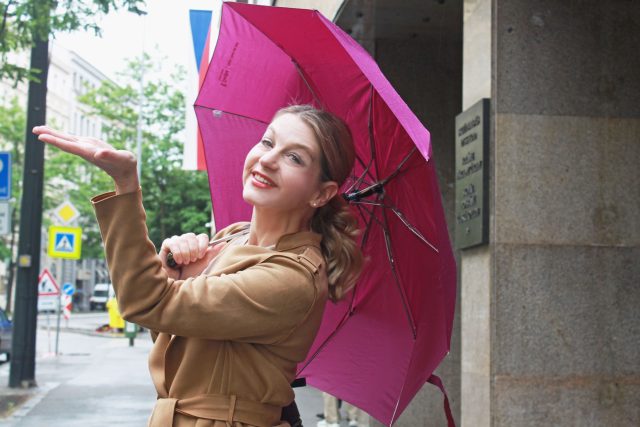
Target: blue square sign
65, 242
5, 175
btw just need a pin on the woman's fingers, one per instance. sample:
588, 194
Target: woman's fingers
203, 244
39, 130
192, 243
72, 147
185, 249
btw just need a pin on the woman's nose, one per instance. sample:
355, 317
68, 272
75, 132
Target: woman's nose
269, 159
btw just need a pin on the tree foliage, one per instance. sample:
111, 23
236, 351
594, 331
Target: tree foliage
25, 21
176, 201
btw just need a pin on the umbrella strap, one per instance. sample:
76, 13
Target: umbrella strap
436, 381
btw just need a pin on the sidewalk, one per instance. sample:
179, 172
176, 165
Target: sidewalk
96, 380
92, 382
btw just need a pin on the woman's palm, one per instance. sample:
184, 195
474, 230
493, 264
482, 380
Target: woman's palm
119, 164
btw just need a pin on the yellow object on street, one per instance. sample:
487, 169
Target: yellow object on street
115, 319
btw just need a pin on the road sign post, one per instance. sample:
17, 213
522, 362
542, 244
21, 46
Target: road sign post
25, 316
5, 217
130, 331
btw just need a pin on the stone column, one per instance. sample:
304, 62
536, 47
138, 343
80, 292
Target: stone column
476, 264
550, 324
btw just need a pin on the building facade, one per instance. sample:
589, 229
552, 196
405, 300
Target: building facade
69, 77
546, 329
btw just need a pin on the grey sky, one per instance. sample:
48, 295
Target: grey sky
125, 35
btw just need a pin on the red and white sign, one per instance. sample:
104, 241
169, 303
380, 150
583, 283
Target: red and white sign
66, 306
47, 285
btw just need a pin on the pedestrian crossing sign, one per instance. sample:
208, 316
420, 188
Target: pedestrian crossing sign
65, 242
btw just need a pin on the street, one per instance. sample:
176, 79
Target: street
96, 380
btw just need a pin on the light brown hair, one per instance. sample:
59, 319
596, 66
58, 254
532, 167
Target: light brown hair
335, 220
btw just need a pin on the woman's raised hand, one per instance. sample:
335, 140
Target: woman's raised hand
119, 164
190, 252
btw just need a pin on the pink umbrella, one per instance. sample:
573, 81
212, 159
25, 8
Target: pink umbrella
379, 346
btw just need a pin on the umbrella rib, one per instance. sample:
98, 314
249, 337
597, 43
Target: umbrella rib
404, 219
396, 280
213, 110
304, 79
362, 216
397, 170
370, 128
367, 227
413, 229
378, 187
371, 144
326, 341
360, 179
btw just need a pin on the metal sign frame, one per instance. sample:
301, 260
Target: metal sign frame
472, 176
76, 249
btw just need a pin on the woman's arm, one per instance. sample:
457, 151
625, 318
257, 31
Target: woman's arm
267, 297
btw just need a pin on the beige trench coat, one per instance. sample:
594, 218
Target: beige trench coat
228, 342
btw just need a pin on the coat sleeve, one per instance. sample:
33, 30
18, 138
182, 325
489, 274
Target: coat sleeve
262, 303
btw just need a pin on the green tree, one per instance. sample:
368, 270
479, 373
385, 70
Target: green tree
21, 23
176, 200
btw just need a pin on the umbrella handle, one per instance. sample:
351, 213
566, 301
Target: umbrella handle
378, 187
171, 263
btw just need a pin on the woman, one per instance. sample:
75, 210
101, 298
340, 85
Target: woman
229, 339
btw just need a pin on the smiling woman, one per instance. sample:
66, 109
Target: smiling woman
231, 322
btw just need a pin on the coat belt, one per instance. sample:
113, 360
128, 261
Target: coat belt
216, 407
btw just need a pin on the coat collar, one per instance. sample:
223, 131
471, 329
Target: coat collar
294, 240
299, 239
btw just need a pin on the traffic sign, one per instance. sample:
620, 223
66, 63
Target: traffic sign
65, 242
5, 175
68, 289
65, 302
66, 212
48, 292
47, 285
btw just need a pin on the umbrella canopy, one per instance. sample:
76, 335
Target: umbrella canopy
377, 347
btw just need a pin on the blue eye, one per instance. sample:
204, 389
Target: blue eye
295, 158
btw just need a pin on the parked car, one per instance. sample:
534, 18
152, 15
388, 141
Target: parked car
101, 294
6, 334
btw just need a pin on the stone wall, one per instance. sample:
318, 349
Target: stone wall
565, 334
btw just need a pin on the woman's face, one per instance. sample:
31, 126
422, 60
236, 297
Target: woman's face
282, 171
